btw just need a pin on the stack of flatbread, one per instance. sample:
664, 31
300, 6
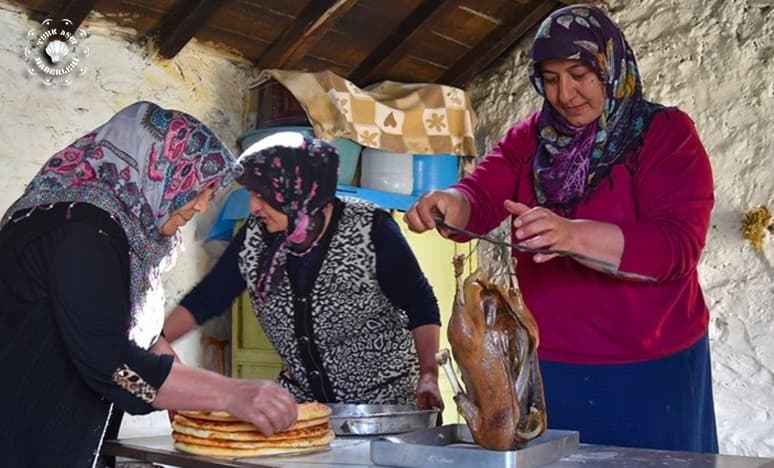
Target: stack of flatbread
218, 434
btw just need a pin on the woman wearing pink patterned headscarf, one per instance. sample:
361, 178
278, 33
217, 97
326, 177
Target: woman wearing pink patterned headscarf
332, 281
81, 301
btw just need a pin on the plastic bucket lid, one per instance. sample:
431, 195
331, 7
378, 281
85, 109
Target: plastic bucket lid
386, 171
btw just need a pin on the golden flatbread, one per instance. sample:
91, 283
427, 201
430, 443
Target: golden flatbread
225, 452
319, 441
306, 411
240, 426
209, 415
305, 433
219, 434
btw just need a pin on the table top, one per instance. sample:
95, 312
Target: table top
347, 452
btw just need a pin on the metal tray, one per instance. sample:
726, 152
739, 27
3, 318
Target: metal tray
452, 445
351, 419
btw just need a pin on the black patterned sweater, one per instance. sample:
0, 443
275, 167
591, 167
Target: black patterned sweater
342, 316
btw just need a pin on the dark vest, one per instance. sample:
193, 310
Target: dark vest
344, 341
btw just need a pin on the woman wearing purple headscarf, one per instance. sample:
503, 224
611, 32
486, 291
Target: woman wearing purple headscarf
332, 281
81, 301
601, 172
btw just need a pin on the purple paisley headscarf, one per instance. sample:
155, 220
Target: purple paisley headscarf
140, 166
296, 175
570, 162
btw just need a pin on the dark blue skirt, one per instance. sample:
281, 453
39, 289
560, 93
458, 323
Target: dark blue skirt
662, 404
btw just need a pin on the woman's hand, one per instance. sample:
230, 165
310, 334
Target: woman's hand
265, 404
428, 394
450, 205
541, 228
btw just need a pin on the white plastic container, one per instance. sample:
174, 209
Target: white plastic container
386, 171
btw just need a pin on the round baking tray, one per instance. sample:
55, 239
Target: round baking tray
353, 419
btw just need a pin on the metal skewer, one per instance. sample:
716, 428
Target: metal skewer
608, 267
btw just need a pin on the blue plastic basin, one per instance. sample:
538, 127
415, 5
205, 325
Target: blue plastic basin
434, 171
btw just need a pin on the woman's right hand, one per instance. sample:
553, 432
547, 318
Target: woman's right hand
450, 205
264, 403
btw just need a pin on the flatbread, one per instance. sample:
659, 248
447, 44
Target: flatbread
225, 452
306, 411
240, 426
254, 436
320, 441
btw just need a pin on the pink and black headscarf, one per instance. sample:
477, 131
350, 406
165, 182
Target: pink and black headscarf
570, 162
296, 175
140, 166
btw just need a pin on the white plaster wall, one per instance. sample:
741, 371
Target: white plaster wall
715, 60
38, 120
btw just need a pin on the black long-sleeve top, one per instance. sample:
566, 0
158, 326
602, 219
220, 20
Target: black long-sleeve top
65, 354
397, 271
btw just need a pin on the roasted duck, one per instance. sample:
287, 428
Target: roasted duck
494, 340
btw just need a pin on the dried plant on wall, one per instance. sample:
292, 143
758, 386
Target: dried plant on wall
755, 223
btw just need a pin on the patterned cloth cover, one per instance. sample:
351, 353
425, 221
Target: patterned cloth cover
417, 118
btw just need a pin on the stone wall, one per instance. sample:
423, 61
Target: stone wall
714, 60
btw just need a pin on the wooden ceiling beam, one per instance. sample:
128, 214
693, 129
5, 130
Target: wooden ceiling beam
497, 42
74, 11
393, 48
311, 25
175, 34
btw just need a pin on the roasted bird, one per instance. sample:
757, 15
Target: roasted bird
494, 340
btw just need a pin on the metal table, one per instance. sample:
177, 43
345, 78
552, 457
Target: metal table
347, 452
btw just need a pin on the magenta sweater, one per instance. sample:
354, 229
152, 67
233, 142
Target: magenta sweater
663, 207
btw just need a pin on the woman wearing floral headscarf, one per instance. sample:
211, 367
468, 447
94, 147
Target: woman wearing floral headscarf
333, 283
81, 302
600, 171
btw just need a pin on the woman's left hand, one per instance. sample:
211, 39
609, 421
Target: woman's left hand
428, 394
541, 228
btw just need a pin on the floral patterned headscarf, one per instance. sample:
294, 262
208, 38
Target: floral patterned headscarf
296, 175
140, 166
571, 161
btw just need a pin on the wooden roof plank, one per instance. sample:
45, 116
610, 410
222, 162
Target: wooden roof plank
175, 35
497, 42
74, 11
365, 41
248, 47
416, 70
251, 21
392, 49
311, 25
